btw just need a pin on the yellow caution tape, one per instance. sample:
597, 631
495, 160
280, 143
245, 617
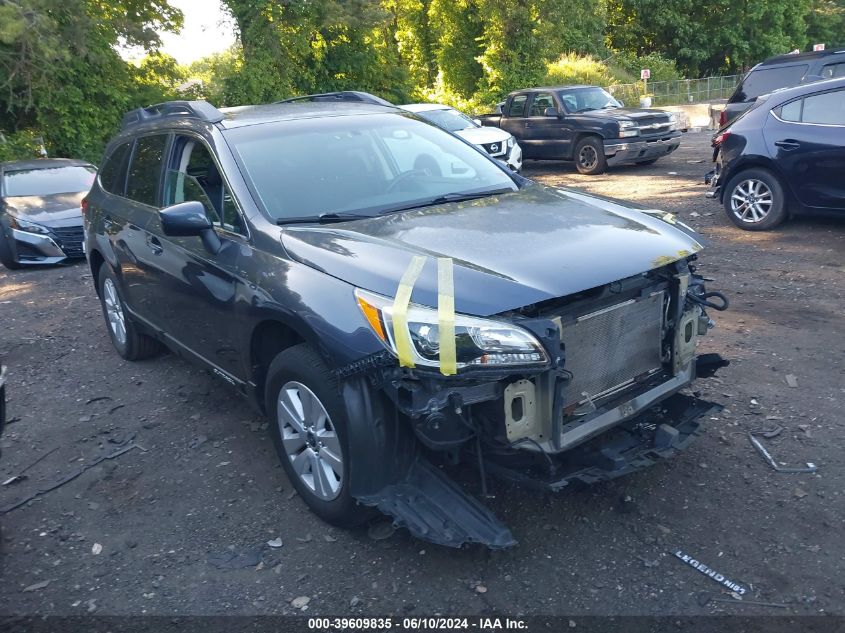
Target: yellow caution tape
446, 316
400, 311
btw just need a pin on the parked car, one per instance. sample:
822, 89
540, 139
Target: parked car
40, 210
782, 71
385, 318
498, 143
785, 155
587, 125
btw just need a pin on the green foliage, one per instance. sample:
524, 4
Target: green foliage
662, 68
826, 22
19, 145
578, 69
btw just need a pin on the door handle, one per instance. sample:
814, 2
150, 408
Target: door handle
154, 244
788, 145
527, 124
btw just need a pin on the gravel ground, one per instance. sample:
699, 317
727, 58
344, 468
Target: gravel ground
146, 532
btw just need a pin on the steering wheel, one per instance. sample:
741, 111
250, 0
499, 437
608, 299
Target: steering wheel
404, 176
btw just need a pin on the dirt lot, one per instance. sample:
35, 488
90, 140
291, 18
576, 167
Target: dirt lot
206, 487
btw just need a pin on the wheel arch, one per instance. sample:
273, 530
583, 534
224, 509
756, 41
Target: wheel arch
757, 162
271, 335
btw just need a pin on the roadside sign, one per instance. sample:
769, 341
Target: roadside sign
818, 47
645, 73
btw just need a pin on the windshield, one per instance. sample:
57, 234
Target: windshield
46, 182
583, 99
358, 164
450, 120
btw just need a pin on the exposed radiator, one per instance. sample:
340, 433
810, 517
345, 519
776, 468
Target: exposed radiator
607, 349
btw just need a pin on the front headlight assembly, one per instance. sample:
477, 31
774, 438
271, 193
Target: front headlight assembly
478, 342
628, 128
511, 142
25, 225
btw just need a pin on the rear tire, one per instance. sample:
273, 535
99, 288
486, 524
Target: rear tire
755, 200
589, 156
127, 340
308, 422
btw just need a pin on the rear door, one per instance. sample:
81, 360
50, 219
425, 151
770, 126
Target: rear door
513, 118
546, 136
807, 139
196, 288
125, 220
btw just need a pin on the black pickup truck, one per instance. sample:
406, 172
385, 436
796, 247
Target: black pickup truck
587, 125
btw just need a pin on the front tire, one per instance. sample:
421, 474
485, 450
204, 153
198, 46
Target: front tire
127, 340
589, 156
754, 200
308, 422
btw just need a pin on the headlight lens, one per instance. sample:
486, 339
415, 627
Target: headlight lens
673, 121
628, 128
511, 142
25, 225
478, 342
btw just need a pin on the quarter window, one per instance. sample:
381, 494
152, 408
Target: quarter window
833, 70
145, 170
517, 106
113, 171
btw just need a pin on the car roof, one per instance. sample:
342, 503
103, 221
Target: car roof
241, 116
791, 58
43, 163
425, 107
553, 88
785, 94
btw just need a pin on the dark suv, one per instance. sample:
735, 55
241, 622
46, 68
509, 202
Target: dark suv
782, 71
392, 297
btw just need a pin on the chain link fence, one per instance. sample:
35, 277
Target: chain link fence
678, 92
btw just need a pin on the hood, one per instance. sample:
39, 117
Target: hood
626, 114
483, 135
508, 251
56, 210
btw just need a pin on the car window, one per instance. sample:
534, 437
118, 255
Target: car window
113, 171
765, 80
449, 119
362, 165
542, 100
830, 71
517, 105
48, 181
791, 111
193, 175
145, 169
827, 108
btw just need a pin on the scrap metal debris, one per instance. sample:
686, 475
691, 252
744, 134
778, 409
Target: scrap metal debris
73, 475
776, 605
810, 468
234, 559
711, 573
792, 381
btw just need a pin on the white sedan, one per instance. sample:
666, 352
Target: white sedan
496, 142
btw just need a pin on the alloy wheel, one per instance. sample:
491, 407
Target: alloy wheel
751, 201
587, 157
114, 311
310, 440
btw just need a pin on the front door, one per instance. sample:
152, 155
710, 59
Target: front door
199, 289
546, 136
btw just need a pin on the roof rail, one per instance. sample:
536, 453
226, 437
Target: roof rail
344, 95
201, 110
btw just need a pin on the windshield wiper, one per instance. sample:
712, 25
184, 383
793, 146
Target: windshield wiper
445, 198
323, 218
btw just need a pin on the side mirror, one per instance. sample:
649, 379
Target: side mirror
551, 112
188, 219
621, 103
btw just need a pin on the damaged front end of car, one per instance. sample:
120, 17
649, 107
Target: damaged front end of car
582, 388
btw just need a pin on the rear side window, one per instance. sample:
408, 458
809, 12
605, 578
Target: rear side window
542, 101
517, 106
826, 108
765, 80
831, 71
145, 169
113, 171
